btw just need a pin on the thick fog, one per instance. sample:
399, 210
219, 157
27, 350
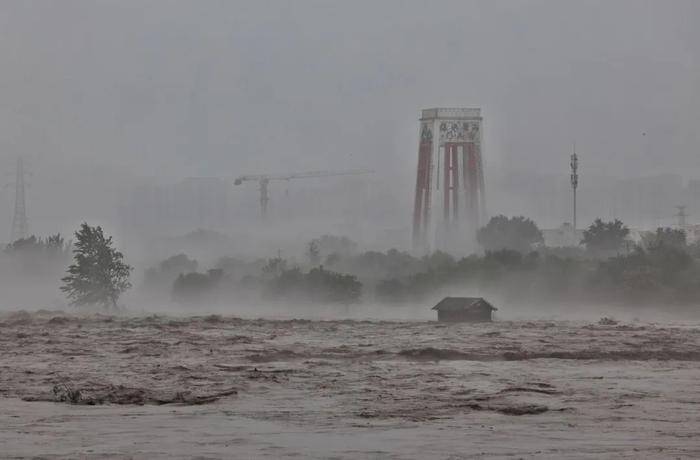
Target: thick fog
104, 96
326, 329
112, 103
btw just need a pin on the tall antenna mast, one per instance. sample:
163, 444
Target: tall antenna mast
681, 216
20, 227
574, 180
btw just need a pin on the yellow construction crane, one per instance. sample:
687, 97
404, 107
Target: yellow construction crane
264, 181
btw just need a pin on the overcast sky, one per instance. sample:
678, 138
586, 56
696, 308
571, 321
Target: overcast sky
96, 91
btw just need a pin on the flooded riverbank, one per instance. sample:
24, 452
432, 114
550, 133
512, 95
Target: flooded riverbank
225, 387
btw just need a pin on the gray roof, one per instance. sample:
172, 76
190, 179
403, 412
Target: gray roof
462, 303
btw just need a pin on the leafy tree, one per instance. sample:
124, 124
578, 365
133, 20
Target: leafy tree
98, 274
239, 268
37, 256
605, 238
287, 281
168, 270
694, 249
516, 233
179, 263
25, 245
439, 260
329, 286
646, 275
274, 267
318, 285
55, 243
669, 237
313, 253
52, 245
194, 286
505, 257
669, 261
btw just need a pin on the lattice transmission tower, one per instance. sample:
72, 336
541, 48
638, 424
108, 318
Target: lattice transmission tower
20, 225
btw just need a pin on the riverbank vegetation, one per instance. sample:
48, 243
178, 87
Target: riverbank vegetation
662, 267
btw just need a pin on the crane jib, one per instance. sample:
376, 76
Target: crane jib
264, 180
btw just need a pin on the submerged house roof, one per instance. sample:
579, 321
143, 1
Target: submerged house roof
463, 303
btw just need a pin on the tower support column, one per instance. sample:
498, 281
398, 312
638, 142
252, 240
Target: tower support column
449, 156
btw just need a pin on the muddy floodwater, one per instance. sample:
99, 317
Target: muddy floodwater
222, 387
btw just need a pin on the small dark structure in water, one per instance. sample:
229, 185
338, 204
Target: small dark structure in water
464, 309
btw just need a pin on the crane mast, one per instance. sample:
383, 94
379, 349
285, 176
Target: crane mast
264, 181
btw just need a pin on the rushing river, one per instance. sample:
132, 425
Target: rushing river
223, 387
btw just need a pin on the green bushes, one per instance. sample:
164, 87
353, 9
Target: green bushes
275, 282
663, 273
662, 269
318, 285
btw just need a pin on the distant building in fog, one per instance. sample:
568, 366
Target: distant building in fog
563, 236
692, 233
464, 309
692, 198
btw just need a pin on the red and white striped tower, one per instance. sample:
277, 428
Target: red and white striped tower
450, 202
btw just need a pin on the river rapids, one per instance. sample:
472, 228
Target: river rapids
98, 386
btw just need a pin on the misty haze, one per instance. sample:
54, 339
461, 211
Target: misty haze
349, 229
